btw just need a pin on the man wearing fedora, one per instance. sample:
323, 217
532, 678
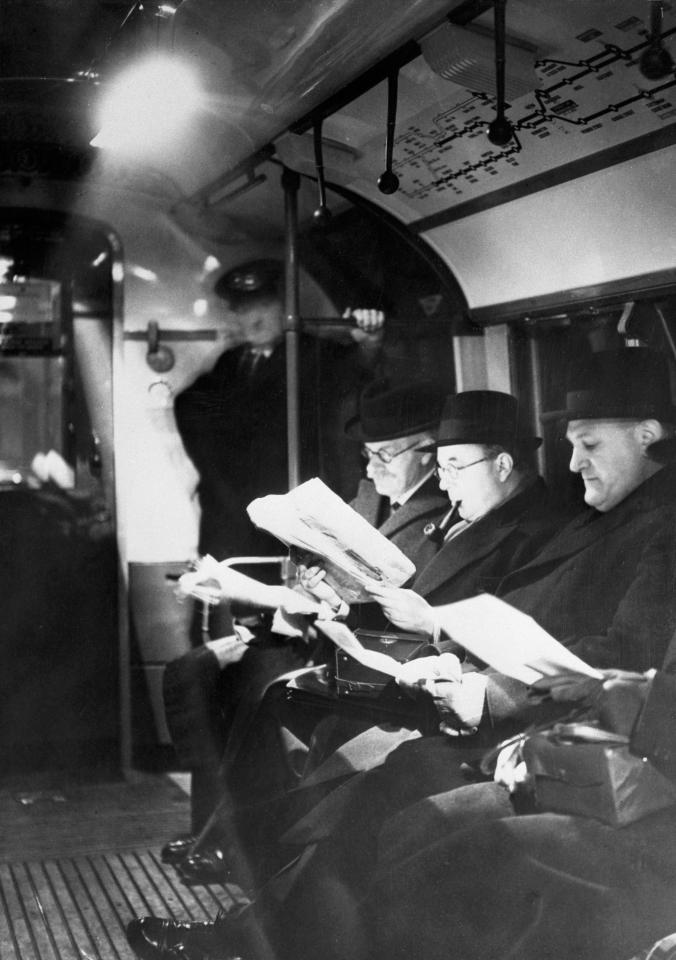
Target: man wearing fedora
207, 690
605, 586
400, 494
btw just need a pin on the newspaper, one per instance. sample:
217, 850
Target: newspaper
213, 582
316, 521
508, 640
491, 630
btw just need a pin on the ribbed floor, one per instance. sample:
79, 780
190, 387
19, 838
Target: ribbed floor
74, 872
78, 908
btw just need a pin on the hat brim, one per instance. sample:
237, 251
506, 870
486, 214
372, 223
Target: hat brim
354, 430
664, 414
525, 443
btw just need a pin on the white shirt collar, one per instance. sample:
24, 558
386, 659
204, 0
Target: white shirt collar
401, 500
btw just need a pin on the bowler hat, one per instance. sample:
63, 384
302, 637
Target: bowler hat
486, 417
631, 383
390, 410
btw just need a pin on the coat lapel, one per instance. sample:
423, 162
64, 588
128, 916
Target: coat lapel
424, 502
472, 545
590, 525
368, 502
477, 541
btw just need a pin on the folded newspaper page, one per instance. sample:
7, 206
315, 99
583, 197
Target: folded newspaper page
346, 641
491, 630
212, 582
508, 640
353, 553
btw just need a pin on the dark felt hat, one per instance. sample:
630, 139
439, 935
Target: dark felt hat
631, 383
390, 410
486, 417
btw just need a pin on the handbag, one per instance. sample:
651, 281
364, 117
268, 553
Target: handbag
581, 769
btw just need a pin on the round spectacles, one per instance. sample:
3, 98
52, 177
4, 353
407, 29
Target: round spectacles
385, 456
453, 470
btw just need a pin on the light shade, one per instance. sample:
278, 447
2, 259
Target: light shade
468, 59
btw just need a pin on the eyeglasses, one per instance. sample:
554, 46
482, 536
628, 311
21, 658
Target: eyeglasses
385, 456
452, 470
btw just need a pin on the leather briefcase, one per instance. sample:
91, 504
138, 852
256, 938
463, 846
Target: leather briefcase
355, 680
347, 688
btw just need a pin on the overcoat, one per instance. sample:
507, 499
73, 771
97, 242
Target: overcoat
232, 422
478, 559
405, 528
484, 882
604, 586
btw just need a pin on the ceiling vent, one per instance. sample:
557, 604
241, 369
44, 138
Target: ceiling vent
468, 58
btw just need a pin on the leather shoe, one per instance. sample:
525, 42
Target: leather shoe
152, 938
176, 850
205, 866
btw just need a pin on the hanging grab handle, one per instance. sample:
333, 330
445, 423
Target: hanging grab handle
388, 182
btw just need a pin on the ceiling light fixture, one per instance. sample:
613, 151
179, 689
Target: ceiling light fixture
148, 106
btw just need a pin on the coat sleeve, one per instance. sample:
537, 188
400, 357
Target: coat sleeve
645, 620
636, 639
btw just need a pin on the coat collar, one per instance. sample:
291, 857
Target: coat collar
479, 539
658, 491
427, 499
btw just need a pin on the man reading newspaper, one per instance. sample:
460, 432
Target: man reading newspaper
204, 688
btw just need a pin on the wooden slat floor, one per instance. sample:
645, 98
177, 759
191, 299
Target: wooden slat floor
73, 872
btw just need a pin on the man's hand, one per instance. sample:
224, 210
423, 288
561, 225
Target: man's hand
405, 609
617, 700
312, 580
424, 672
621, 700
460, 705
200, 586
370, 326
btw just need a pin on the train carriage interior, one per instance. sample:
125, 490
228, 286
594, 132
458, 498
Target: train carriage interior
495, 176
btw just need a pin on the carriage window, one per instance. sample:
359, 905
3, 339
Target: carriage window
360, 258
34, 386
546, 346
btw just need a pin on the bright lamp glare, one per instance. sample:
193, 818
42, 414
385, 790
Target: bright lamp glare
7, 302
148, 105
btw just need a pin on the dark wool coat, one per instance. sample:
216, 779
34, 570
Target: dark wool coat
405, 527
478, 559
605, 586
472, 880
233, 427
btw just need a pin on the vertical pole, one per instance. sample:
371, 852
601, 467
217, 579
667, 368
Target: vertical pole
536, 394
291, 183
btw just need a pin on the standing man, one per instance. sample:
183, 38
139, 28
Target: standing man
232, 420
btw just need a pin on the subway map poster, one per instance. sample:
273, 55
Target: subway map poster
587, 99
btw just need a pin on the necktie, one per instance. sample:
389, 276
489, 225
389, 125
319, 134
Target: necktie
251, 362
